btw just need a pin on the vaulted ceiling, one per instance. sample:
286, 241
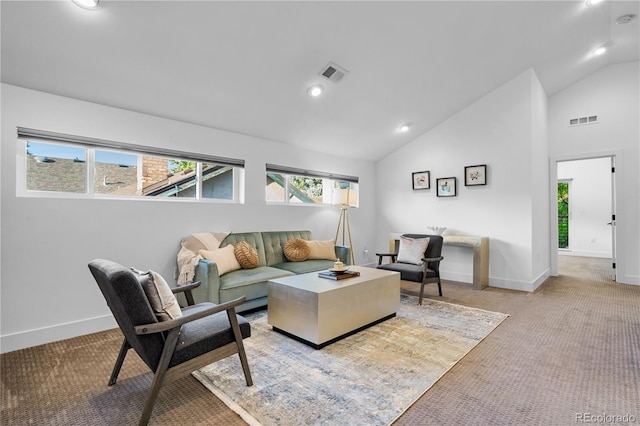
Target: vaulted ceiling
246, 66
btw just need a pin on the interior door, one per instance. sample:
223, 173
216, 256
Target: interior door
613, 216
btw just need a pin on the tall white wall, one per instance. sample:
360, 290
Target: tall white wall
507, 131
613, 94
589, 206
47, 292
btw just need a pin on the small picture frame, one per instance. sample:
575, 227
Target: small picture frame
475, 175
421, 180
446, 187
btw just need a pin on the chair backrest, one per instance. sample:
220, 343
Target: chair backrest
130, 307
434, 248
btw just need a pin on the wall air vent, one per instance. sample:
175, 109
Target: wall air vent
592, 119
333, 72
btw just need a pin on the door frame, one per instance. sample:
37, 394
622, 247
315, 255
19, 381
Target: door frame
618, 203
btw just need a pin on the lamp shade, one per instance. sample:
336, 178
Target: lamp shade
345, 197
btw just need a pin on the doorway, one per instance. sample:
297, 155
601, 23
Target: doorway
585, 206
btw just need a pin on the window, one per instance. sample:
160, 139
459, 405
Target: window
296, 186
51, 164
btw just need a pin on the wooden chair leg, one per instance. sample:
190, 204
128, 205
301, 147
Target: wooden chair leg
161, 371
116, 368
439, 287
421, 293
241, 353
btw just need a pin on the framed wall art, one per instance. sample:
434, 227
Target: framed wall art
421, 180
446, 187
475, 175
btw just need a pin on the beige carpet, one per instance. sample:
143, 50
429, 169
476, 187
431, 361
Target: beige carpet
369, 378
571, 347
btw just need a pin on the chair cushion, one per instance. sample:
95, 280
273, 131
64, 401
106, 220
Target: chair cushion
246, 255
408, 272
412, 250
322, 249
161, 298
224, 257
296, 250
204, 335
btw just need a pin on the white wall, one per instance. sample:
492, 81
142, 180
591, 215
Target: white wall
506, 130
589, 206
47, 292
613, 94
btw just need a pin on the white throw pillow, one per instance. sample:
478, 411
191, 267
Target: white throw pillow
224, 257
322, 249
412, 250
159, 294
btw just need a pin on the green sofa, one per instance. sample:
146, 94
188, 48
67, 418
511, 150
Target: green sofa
252, 283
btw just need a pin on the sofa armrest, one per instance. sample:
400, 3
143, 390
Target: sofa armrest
209, 290
342, 253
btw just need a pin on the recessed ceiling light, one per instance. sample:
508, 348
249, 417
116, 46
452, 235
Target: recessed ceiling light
315, 90
599, 51
592, 2
404, 128
87, 4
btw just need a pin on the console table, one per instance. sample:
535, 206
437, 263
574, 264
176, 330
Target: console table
480, 246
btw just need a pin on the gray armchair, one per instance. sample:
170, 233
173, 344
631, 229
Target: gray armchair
172, 348
428, 272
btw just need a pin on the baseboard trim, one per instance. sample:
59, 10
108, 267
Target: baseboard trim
25, 339
597, 254
628, 279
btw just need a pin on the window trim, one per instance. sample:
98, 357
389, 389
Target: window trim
92, 144
274, 168
287, 172
46, 136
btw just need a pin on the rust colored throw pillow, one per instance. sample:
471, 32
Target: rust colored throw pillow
246, 255
296, 250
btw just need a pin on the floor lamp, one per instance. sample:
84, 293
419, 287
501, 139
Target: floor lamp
345, 197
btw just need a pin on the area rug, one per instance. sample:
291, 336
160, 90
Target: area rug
369, 378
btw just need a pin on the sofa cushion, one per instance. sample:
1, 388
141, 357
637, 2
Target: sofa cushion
274, 242
296, 250
251, 283
253, 238
322, 249
224, 257
159, 294
246, 255
310, 265
243, 277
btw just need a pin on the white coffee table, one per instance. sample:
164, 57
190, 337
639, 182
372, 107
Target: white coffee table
318, 311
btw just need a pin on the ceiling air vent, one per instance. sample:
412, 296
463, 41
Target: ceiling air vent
592, 119
333, 72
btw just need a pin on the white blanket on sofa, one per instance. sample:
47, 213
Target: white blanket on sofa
188, 256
